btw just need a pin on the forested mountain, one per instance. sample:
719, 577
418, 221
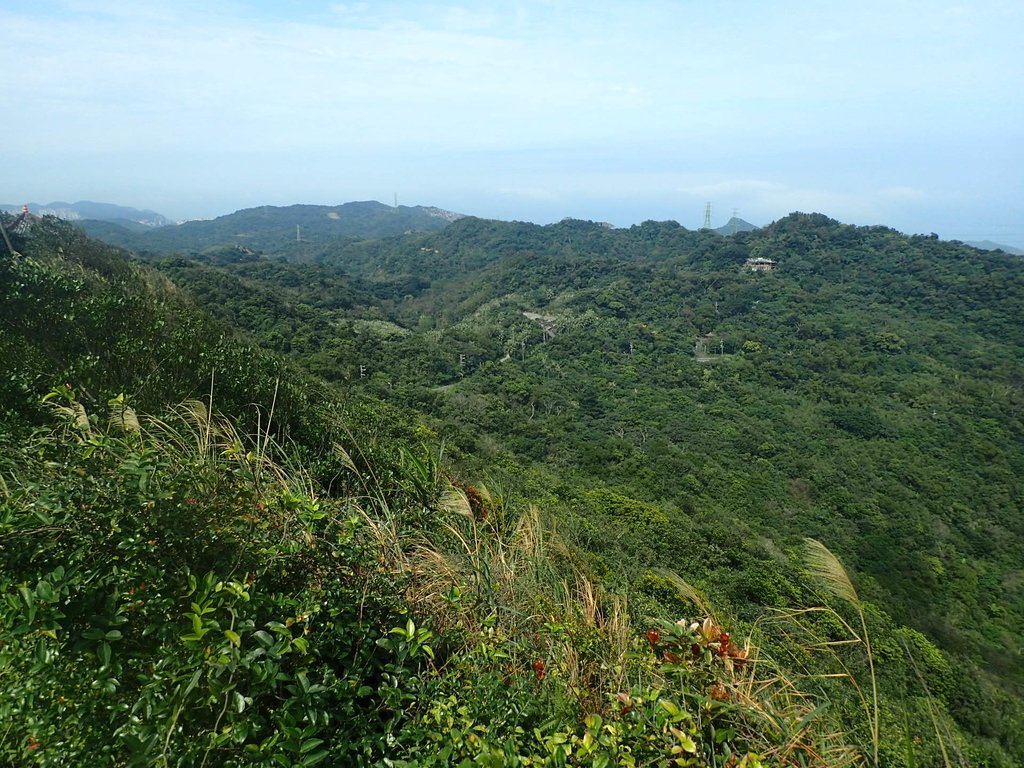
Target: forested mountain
295, 230
733, 225
639, 426
125, 216
867, 390
988, 245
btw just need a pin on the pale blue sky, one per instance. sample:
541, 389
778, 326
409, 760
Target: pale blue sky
908, 114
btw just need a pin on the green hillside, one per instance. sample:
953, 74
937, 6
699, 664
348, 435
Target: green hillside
866, 391
545, 501
300, 231
131, 218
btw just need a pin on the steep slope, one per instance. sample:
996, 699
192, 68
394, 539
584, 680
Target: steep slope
867, 392
293, 583
879, 373
679, 410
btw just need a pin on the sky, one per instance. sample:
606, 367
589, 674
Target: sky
907, 114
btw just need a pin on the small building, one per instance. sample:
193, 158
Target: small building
760, 264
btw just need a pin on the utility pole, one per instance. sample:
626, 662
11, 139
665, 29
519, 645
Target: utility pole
7, 240
14, 225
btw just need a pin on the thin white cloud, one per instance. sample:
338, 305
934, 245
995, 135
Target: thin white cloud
733, 188
901, 193
530, 193
349, 9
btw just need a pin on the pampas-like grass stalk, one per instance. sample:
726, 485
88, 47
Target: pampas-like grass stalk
931, 706
825, 567
123, 416
685, 590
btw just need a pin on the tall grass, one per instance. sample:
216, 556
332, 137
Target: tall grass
931, 709
827, 569
482, 570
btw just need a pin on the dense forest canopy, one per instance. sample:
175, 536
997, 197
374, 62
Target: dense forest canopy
295, 230
683, 421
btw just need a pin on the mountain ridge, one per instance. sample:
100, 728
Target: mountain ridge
291, 230
734, 225
137, 220
988, 245
87, 209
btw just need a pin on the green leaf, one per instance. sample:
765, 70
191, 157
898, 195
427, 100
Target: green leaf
671, 708
310, 744
233, 636
724, 734
687, 744
193, 682
45, 592
264, 638
316, 757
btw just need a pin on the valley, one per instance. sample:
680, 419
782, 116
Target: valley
528, 444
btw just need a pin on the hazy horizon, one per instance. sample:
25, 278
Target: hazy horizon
908, 116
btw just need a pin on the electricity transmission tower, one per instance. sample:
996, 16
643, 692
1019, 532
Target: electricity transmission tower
707, 216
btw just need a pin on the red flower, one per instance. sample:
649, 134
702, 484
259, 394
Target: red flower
32, 743
538, 669
653, 636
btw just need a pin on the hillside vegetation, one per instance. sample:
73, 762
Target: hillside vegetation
575, 536
297, 230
